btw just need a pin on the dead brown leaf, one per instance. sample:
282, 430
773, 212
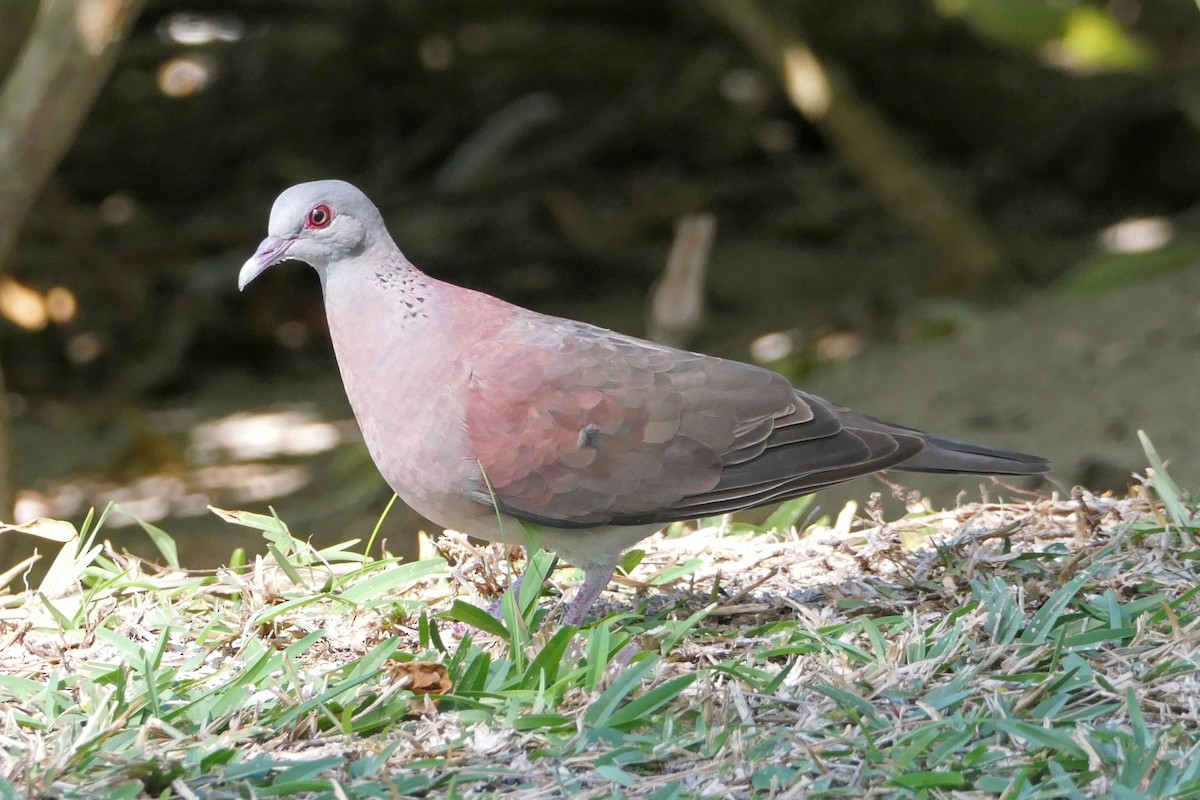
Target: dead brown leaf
420, 677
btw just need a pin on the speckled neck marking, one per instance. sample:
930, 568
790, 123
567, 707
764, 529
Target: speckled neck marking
409, 282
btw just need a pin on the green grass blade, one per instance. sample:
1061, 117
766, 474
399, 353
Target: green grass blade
163, 541
1167, 490
788, 514
476, 617
602, 707
1043, 622
641, 708
389, 581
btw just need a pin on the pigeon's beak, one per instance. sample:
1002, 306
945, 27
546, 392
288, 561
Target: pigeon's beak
270, 252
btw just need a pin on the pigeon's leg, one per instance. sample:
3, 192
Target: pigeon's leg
595, 578
496, 609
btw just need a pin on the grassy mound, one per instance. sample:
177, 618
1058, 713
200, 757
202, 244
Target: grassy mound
1045, 648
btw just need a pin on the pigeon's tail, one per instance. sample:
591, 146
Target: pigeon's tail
942, 454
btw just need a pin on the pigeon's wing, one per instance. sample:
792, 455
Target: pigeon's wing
576, 426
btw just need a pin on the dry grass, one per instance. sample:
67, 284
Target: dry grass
1039, 649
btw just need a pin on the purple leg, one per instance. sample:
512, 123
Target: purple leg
496, 609
594, 581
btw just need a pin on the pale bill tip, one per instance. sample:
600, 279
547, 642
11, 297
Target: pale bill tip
249, 271
271, 251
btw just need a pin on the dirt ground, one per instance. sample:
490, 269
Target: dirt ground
1072, 378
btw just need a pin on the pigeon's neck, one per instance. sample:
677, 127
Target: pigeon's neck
387, 317
403, 290
378, 284
380, 317
403, 342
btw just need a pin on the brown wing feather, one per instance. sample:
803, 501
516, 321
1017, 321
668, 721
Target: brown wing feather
576, 426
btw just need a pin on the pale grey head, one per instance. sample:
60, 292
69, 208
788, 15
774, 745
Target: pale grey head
320, 223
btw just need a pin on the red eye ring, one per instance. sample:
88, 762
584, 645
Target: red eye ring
319, 217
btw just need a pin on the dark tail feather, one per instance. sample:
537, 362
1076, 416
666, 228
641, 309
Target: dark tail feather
943, 454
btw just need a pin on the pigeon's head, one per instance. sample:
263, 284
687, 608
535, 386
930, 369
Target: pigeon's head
319, 223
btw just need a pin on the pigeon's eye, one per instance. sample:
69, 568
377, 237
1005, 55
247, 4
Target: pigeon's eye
319, 217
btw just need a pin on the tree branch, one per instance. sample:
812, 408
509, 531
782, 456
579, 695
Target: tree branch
66, 60
821, 91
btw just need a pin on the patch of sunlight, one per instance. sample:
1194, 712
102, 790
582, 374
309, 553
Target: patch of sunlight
839, 345
772, 347
1069, 35
191, 29
1137, 235
228, 463
248, 437
157, 497
186, 75
96, 23
252, 483
1092, 39
807, 82
23, 306
61, 305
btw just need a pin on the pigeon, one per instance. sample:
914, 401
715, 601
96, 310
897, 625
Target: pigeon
514, 426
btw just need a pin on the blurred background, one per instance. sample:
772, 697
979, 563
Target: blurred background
975, 216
